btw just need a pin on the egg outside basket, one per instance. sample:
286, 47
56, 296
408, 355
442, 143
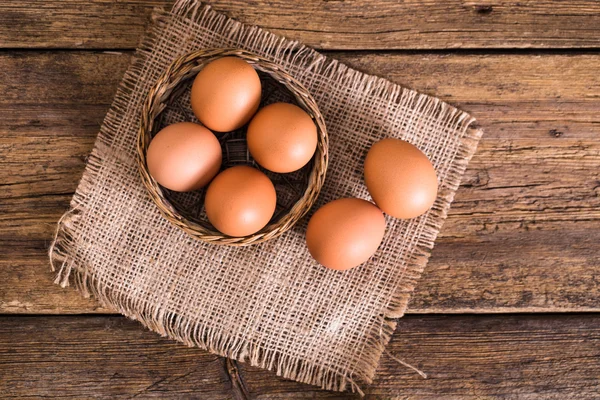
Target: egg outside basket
169, 87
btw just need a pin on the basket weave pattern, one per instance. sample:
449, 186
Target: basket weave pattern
175, 80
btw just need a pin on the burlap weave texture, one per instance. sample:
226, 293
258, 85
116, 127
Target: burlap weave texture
271, 304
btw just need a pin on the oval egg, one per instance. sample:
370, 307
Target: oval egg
226, 94
345, 233
184, 156
282, 137
400, 178
240, 201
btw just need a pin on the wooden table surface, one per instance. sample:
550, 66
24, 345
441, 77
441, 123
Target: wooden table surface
508, 305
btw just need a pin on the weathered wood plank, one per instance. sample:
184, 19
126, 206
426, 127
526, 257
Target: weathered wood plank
349, 25
522, 234
102, 357
466, 357
478, 357
528, 212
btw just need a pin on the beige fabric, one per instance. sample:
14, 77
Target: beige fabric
270, 305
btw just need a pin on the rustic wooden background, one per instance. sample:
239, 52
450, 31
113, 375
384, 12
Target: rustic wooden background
508, 305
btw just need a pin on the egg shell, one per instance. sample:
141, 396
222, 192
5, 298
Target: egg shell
226, 94
345, 233
184, 156
240, 201
400, 178
282, 137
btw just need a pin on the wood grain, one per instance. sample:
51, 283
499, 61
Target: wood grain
338, 24
522, 234
476, 357
466, 357
524, 225
102, 358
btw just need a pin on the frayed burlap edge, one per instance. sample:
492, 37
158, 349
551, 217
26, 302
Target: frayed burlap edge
216, 341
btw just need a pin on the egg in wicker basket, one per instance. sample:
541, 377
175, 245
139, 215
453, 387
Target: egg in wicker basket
168, 102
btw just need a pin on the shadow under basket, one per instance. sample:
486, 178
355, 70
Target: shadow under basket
168, 102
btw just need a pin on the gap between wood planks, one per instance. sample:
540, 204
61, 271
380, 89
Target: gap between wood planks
453, 51
239, 389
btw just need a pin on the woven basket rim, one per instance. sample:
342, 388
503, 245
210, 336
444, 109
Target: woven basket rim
187, 66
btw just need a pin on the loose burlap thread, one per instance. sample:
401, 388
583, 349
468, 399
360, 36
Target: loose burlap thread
271, 304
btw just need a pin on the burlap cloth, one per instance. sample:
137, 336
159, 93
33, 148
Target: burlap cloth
270, 305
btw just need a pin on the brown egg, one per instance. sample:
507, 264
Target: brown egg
184, 156
282, 137
400, 178
240, 201
345, 233
226, 94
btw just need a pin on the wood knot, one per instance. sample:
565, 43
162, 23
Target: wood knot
555, 133
481, 178
484, 9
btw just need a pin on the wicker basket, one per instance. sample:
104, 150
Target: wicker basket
163, 95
